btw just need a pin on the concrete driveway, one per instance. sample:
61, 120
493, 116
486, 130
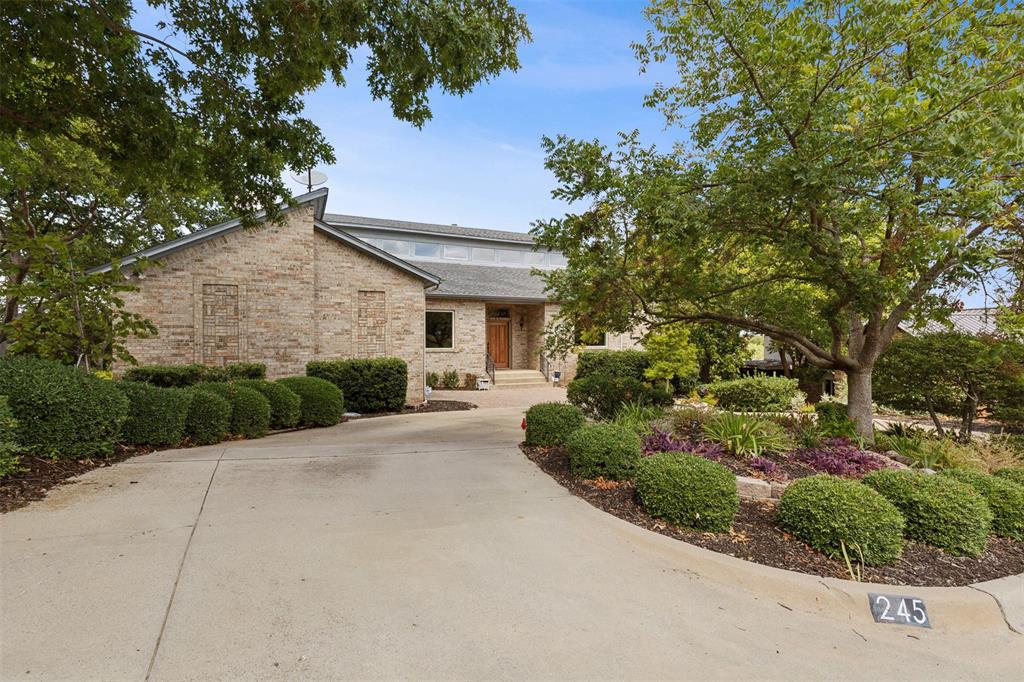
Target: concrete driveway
423, 546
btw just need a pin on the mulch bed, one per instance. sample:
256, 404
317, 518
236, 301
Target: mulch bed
755, 537
39, 475
431, 406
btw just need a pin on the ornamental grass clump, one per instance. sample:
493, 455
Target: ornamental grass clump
688, 490
830, 513
1004, 497
550, 424
747, 436
604, 450
939, 510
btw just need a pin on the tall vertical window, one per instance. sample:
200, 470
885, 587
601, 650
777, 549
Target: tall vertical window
440, 328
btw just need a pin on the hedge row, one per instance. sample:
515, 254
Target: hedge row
371, 385
180, 376
52, 410
613, 363
755, 394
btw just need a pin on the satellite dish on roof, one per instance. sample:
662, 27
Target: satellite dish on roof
309, 177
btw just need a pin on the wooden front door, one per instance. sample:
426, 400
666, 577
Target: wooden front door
497, 342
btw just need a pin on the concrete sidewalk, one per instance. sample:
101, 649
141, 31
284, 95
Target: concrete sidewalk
420, 546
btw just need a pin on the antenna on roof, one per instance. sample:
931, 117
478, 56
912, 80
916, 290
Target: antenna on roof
309, 177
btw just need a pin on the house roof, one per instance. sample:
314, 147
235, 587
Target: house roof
369, 249
317, 197
974, 321
408, 227
460, 280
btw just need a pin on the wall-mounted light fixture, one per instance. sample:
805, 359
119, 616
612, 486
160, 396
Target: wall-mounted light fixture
522, 323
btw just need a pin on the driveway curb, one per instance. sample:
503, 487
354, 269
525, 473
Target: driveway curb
995, 605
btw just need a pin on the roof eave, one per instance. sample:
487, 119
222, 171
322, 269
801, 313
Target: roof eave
428, 278
490, 298
410, 231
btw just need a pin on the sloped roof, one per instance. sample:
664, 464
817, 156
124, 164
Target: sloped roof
974, 321
342, 220
461, 280
360, 245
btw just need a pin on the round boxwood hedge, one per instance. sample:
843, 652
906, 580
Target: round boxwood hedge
939, 510
209, 418
755, 394
1005, 500
1015, 474
322, 403
828, 512
687, 490
604, 450
62, 411
552, 423
156, 416
250, 411
285, 404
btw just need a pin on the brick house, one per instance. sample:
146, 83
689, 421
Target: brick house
320, 286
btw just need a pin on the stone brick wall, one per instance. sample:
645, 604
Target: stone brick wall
567, 365
365, 307
243, 296
280, 294
470, 339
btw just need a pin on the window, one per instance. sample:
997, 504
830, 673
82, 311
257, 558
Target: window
535, 257
439, 328
557, 259
395, 247
456, 252
592, 338
426, 250
483, 255
507, 256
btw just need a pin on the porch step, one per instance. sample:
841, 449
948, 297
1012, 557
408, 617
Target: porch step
515, 378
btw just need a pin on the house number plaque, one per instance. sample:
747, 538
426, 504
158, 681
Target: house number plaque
897, 609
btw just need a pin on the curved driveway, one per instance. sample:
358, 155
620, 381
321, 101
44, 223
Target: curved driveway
421, 546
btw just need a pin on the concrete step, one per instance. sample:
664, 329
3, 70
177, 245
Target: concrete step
514, 378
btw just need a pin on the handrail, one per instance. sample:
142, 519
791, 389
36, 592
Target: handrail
544, 369
489, 366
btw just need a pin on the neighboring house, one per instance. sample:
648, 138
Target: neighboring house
971, 321
319, 286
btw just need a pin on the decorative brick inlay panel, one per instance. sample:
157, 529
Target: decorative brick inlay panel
372, 325
220, 324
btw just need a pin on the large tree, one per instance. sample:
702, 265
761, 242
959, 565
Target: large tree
850, 166
113, 135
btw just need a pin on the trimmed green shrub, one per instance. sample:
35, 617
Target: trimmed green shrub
374, 385
450, 379
939, 510
9, 447
322, 403
832, 420
755, 394
828, 512
250, 411
600, 396
614, 363
209, 417
62, 411
180, 376
156, 416
552, 423
1015, 474
687, 490
604, 450
285, 404
432, 380
1005, 500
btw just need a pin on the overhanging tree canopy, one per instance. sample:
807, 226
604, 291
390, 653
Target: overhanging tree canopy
850, 166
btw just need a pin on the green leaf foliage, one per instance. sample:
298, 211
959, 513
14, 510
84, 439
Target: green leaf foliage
156, 416
600, 395
209, 417
632, 364
939, 511
9, 447
250, 411
550, 424
285, 404
1015, 474
833, 421
755, 394
746, 435
322, 403
687, 490
671, 354
372, 385
63, 412
180, 376
1005, 499
828, 512
604, 450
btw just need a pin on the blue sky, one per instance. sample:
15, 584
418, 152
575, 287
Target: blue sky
479, 161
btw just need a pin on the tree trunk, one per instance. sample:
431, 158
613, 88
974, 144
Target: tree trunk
935, 419
858, 403
970, 409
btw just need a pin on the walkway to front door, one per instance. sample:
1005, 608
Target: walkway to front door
497, 342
